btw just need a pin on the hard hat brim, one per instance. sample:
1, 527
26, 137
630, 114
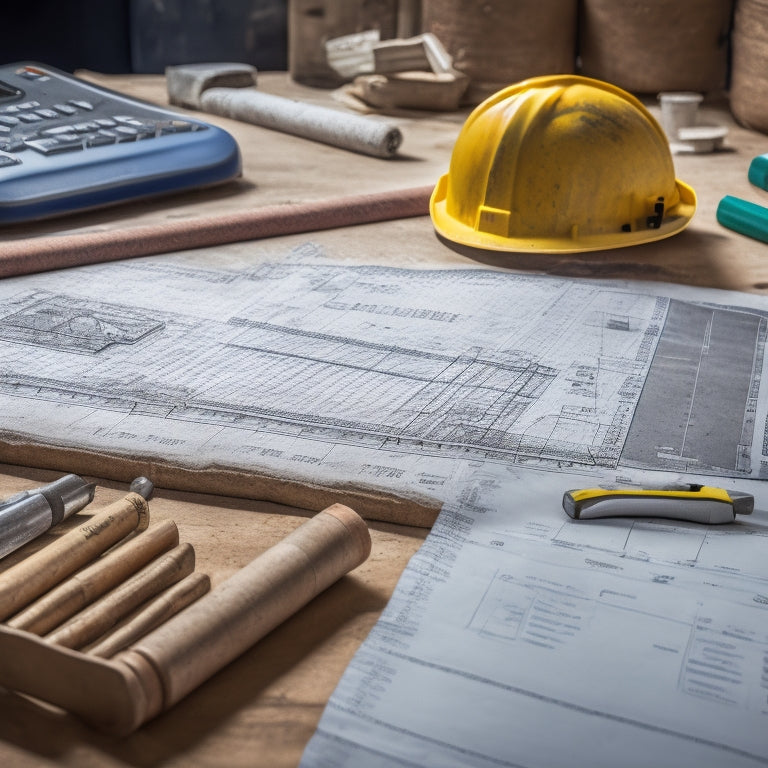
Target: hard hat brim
675, 220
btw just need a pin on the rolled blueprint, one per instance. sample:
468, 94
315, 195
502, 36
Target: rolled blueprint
329, 126
217, 628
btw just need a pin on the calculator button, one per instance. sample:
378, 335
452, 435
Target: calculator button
51, 146
12, 145
64, 109
8, 120
56, 130
126, 133
28, 105
99, 139
29, 117
81, 104
47, 113
175, 126
105, 122
85, 127
7, 160
28, 73
147, 131
68, 138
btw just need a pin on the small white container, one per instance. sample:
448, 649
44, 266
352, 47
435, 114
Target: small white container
678, 110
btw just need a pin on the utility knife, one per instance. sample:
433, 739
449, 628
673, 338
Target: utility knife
697, 503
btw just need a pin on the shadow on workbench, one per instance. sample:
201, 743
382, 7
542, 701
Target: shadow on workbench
689, 258
239, 690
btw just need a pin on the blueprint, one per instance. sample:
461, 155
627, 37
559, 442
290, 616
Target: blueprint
376, 377
519, 637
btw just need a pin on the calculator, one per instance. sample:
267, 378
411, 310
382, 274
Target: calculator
67, 145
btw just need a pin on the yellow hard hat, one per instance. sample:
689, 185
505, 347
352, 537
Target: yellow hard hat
560, 164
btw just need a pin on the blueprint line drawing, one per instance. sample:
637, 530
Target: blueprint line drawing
379, 376
510, 642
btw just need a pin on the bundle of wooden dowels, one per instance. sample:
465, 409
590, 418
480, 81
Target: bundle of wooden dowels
59, 605
73, 594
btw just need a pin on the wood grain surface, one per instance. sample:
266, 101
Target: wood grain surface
261, 709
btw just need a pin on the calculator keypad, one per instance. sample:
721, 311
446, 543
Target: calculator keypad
72, 127
67, 145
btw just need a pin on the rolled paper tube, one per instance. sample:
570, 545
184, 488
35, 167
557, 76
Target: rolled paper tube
184, 652
162, 608
38, 254
367, 135
72, 595
94, 621
38, 573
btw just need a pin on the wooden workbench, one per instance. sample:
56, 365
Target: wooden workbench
262, 709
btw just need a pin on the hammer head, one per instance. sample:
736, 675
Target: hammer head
186, 82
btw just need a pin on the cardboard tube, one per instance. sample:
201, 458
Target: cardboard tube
178, 656
97, 619
35, 575
367, 135
166, 605
23, 257
64, 601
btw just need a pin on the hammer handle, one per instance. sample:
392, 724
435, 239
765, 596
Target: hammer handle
366, 135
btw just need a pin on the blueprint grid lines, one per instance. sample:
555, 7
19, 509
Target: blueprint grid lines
287, 367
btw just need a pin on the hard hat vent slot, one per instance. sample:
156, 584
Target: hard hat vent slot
492, 220
654, 221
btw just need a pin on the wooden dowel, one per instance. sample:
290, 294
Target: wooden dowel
22, 257
72, 595
30, 578
97, 619
175, 658
168, 604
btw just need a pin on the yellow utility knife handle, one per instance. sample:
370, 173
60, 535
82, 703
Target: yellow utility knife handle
697, 503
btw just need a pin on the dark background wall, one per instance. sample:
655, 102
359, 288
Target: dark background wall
114, 36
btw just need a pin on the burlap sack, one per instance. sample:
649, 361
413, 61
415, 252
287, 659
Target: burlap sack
649, 46
749, 74
499, 42
311, 23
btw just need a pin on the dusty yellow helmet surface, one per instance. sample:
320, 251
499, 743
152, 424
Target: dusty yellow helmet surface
560, 164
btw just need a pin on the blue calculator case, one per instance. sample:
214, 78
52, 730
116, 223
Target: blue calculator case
67, 145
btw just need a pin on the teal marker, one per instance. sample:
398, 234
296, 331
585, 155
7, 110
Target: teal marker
743, 217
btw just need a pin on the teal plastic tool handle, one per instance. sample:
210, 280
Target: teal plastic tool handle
742, 216
758, 171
